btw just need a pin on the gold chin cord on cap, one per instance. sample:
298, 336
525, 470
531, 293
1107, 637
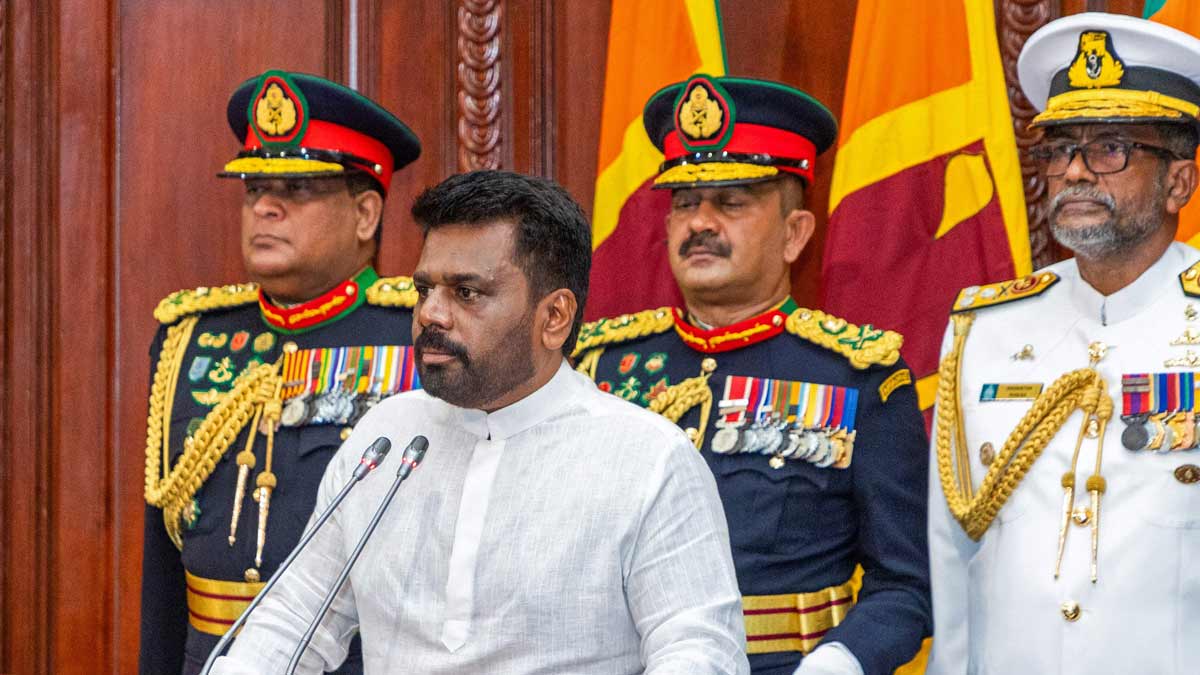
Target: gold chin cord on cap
1083, 389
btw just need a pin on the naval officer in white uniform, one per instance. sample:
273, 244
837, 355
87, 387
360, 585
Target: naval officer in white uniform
1064, 517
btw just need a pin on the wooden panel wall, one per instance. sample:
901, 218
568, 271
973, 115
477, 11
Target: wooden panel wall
113, 127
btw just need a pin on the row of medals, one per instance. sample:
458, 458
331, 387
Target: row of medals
332, 407
1172, 430
783, 440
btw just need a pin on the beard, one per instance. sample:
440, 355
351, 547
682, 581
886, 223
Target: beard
1125, 228
473, 380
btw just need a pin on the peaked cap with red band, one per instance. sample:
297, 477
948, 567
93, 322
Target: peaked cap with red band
295, 125
733, 131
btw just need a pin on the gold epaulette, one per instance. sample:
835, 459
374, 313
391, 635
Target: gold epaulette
863, 345
203, 299
977, 297
393, 292
623, 328
1189, 279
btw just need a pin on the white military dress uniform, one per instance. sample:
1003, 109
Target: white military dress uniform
1089, 562
1142, 615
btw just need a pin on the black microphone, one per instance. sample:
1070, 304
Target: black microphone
372, 457
411, 459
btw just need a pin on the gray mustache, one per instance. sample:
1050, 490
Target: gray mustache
1085, 191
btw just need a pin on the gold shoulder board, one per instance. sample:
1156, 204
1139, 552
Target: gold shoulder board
1189, 279
623, 328
863, 345
977, 297
203, 299
393, 292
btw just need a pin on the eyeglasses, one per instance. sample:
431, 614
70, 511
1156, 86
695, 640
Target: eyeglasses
1102, 156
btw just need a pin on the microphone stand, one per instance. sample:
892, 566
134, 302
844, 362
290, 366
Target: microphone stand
412, 457
372, 457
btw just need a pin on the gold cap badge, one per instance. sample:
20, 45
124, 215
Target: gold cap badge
700, 116
1096, 64
275, 113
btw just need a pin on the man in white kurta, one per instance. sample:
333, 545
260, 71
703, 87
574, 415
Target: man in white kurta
1103, 577
562, 530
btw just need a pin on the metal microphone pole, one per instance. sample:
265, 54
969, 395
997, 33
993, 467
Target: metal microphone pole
412, 457
371, 458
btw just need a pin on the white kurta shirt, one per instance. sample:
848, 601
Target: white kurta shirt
570, 532
998, 609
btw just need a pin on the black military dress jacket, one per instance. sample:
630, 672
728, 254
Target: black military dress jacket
811, 427
315, 369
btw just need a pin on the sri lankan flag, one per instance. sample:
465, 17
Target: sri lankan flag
926, 195
1182, 15
650, 45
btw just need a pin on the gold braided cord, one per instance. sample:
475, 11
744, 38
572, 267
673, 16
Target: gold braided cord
864, 346
678, 399
1082, 389
623, 328
962, 327
175, 489
587, 363
392, 292
162, 397
203, 299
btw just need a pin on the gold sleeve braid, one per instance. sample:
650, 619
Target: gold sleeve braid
1082, 389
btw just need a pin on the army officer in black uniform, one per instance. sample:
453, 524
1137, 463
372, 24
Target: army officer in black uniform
809, 423
255, 385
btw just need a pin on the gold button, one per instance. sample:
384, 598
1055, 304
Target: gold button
777, 320
290, 347
252, 575
987, 453
1070, 610
692, 433
708, 365
1093, 428
1081, 515
1187, 474
346, 432
777, 462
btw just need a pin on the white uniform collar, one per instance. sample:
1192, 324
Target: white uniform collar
525, 413
1126, 303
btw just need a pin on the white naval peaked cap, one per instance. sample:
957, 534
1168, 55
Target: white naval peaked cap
1098, 67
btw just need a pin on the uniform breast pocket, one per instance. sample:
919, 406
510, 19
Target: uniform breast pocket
761, 503
306, 452
988, 427
1170, 497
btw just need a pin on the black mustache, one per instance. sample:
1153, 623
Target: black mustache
437, 340
707, 239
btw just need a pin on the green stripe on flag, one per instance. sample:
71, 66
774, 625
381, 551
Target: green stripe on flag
1152, 7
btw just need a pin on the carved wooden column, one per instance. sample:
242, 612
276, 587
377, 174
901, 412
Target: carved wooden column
1018, 19
479, 92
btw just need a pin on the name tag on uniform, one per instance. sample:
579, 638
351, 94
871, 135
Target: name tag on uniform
1011, 391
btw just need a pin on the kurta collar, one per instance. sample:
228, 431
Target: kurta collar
526, 413
1126, 303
